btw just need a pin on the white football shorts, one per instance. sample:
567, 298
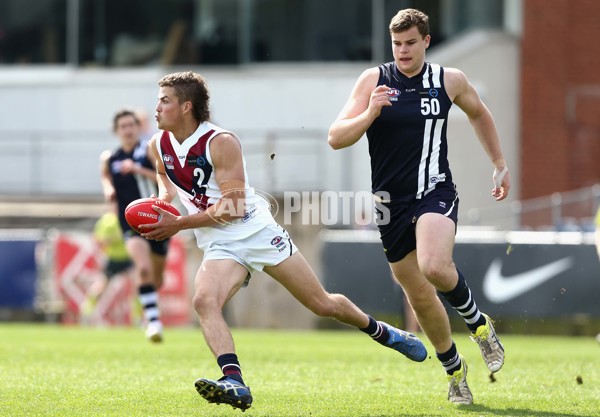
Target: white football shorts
269, 246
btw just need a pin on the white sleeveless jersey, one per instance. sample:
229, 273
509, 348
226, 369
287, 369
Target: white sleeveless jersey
189, 167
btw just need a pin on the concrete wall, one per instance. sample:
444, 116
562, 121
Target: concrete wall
491, 62
54, 122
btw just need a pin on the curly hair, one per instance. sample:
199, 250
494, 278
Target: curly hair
192, 87
407, 18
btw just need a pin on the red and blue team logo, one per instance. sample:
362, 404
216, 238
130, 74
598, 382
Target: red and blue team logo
169, 161
279, 243
393, 94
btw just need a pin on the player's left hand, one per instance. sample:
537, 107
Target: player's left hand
165, 228
501, 183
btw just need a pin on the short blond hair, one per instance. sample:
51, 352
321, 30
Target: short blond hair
407, 18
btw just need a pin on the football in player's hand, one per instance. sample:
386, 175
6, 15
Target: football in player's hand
141, 212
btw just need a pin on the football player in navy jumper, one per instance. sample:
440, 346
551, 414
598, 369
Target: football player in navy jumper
402, 107
129, 173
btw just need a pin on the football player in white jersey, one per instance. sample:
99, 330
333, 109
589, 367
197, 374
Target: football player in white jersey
204, 165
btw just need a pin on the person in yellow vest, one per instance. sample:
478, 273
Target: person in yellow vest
109, 237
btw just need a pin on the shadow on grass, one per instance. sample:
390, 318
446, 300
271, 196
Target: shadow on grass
483, 410
512, 412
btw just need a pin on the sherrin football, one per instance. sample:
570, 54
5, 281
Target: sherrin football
141, 212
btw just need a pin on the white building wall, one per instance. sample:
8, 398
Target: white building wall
491, 62
55, 121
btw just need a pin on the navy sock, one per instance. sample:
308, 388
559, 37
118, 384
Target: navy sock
230, 366
376, 330
461, 299
450, 359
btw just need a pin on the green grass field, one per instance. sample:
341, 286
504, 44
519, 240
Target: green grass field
48, 370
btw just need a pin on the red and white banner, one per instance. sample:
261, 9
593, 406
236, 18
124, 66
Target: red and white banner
78, 263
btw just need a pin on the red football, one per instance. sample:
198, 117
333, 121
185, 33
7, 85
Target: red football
141, 212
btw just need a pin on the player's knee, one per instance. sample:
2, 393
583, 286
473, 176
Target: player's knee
325, 307
158, 280
422, 293
434, 268
145, 274
203, 303
422, 302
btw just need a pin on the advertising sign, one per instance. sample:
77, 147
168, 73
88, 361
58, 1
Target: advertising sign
78, 262
541, 275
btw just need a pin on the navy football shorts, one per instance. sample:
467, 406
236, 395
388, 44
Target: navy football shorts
157, 247
397, 220
113, 267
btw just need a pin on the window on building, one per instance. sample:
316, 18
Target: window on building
118, 33
33, 31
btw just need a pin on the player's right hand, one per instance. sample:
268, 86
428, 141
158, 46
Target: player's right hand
128, 166
379, 98
110, 195
501, 180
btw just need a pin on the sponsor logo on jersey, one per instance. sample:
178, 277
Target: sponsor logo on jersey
393, 94
200, 202
168, 160
248, 214
434, 179
115, 166
196, 161
279, 243
433, 92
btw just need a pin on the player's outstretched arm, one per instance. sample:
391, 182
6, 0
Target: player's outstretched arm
362, 108
464, 95
108, 188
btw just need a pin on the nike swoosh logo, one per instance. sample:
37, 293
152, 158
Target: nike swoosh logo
499, 288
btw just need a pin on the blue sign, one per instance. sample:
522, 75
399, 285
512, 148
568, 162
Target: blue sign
17, 273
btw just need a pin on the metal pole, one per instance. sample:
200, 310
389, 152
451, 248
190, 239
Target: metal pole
244, 40
378, 31
72, 43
